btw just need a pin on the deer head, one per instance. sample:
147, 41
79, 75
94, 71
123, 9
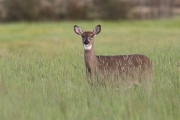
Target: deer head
87, 37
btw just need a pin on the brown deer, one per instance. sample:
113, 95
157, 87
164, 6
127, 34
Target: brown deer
109, 69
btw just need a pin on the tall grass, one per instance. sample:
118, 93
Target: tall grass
42, 71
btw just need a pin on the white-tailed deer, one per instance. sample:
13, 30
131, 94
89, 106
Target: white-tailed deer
128, 68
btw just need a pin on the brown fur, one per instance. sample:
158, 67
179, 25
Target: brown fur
129, 68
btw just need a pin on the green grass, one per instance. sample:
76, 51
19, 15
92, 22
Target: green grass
42, 71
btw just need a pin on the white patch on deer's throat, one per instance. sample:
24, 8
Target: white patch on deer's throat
87, 47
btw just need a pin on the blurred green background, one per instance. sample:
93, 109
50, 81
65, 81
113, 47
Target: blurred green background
57, 10
42, 71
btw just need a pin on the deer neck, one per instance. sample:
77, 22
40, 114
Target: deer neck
90, 58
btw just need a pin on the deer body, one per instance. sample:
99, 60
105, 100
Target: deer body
130, 68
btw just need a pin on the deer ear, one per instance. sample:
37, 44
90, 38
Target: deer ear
97, 30
78, 30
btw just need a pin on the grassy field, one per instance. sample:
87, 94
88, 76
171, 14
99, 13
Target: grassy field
42, 71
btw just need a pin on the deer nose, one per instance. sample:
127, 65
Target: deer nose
86, 42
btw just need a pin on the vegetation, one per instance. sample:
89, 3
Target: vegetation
42, 71
55, 10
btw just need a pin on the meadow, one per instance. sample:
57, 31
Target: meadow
42, 71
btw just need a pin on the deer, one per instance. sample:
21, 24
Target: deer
107, 70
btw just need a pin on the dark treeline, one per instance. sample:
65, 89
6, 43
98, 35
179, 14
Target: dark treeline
55, 10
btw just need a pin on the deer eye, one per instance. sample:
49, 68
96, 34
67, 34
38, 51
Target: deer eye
82, 36
92, 36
